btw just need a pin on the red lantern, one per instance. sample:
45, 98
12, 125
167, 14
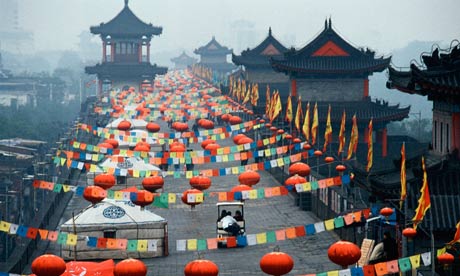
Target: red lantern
344, 253
124, 125
446, 259
142, 147
386, 211
143, 198
276, 263
234, 120
273, 129
130, 267
152, 127
48, 265
293, 180
240, 188
329, 159
261, 121
177, 148
318, 153
207, 142
296, 140
340, 168
105, 180
184, 197
238, 137
280, 131
213, 146
244, 140
288, 137
200, 182
225, 117
249, 178
105, 145
299, 168
306, 146
268, 125
206, 124
153, 183
94, 194
113, 142
201, 268
409, 233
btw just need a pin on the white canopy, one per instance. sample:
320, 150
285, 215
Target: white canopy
129, 163
114, 212
135, 123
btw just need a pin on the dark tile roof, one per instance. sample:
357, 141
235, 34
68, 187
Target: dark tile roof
213, 48
351, 59
126, 23
261, 54
184, 59
121, 70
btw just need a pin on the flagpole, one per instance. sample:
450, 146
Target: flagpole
432, 244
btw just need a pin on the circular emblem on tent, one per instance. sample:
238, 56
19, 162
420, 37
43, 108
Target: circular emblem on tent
126, 164
113, 212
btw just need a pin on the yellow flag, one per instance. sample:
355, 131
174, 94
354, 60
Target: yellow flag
370, 150
255, 94
306, 123
277, 106
342, 133
403, 175
288, 116
298, 114
314, 125
353, 138
424, 202
267, 102
247, 95
328, 131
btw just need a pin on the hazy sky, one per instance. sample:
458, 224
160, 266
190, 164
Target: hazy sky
382, 25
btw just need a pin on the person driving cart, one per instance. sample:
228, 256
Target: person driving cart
230, 225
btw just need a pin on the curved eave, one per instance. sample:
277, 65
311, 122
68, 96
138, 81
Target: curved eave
288, 69
213, 52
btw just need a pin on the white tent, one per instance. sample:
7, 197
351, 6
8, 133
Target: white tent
135, 123
115, 220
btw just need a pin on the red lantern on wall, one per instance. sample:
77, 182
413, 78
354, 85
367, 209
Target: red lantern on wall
94, 194
130, 267
143, 198
299, 168
105, 180
249, 178
344, 253
152, 127
48, 265
276, 263
185, 194
201, 268
200, 182
153, 183
293, 180
124, 125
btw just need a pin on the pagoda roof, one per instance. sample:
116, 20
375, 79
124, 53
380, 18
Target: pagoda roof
184, 59
126, 23
213, 48
329, 53
260, 55
124, 70
440, 77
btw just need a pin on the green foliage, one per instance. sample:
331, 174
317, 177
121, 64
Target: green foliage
45, 122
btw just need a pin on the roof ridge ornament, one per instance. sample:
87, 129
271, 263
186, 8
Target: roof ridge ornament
269, 31
126, 3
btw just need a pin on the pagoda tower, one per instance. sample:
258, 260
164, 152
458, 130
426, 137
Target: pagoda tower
183, 61
125, 52
330, 71
214, 56
257, 68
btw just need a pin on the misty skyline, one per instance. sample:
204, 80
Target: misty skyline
382, 26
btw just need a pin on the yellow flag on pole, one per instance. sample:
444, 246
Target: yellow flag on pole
370, 149
424, 202
328, 131
342, 133
298, 116
314, 125
306, 123
288, 116
353, 138
403, 175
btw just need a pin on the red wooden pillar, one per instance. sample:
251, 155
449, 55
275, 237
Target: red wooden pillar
384, 142
294, 87
455, 133
366, 88
104, 51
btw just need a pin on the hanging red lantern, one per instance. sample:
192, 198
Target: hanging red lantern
143, 198
206, 124
344, 253
213, 146
153, 183
249, 178
299, 168
200, 182
94, 194
261, 121
244, 140
185, 194
329, 159
296, 140
276, 263
240, 188
446, 259
273, 129
124, 125
225, 117
113, 142
48, 265
318, 153
130, 267
234, 120
201, 268
207, 142
409, 232
152, 127
280, 131
386, 211
306, 146
142, 147
288, 137
340, 168
293, 180
105, 180
177, 148
268, 125
105, 145
238, 137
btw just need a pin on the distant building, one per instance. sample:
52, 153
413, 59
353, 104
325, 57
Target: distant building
125, 52
243, 34
330, 71
213, 55
12, 37
183, 61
